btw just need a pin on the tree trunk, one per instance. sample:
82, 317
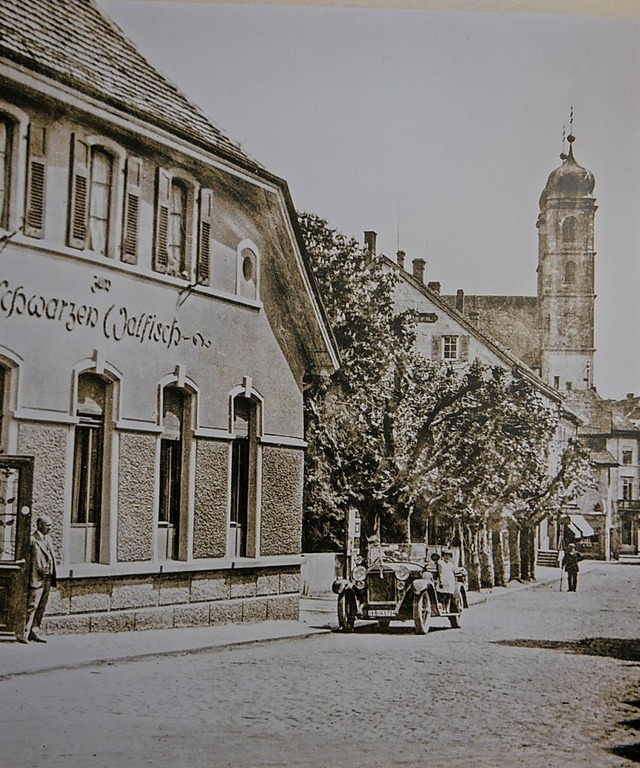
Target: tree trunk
515, 571
486, 572
528, 552
498, 559
471, 560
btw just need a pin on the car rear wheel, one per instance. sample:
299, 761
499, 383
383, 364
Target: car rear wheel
346, 612
421, 613
384, 623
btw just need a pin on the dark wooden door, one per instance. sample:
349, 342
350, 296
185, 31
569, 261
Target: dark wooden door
16, 483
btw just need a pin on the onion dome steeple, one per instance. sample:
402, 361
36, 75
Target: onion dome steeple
570, 179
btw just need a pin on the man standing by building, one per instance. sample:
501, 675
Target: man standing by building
570, 563
41, 578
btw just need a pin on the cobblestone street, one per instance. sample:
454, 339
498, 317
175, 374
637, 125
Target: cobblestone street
523, 683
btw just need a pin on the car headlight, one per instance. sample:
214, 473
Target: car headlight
402, 573
359, 573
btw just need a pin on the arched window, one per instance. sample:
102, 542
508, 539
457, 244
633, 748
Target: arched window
100, 200
174, 235
89, 451
173, 486
243, 522
569, 273
248, 272
569, 230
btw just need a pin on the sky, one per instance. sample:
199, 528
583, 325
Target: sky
435, 128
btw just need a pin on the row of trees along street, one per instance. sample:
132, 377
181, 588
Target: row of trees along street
417, 448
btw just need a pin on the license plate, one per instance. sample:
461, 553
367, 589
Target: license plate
381, 613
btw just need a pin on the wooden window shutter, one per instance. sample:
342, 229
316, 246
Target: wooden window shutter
79, 197
436, 347
204, 236
131, 211
36, 181
464, 347
163, 195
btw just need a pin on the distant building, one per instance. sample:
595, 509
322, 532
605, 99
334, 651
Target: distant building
157, 317
550, 338
553, 333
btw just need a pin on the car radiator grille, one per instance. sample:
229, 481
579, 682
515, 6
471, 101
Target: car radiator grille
382, 587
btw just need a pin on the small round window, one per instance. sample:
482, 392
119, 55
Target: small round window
247, 268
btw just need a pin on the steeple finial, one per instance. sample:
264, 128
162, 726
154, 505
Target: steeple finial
563, 154
571, 138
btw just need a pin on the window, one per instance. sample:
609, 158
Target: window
627, 456
92, 200
248, 271
100, 200
88, 468
172, 504
450, 347
627, 488
243, 479
174, 211
569, 230
6, 134
569, 273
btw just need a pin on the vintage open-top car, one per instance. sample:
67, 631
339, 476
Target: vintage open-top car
398, 582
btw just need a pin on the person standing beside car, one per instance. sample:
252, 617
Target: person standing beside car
446, 578
570, 563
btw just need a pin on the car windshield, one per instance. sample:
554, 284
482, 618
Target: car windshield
399, 553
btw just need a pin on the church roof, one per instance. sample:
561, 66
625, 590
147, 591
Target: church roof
569, 180
72, 42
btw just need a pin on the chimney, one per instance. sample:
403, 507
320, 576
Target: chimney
370, 242
400, 258
435, 287
460, 301
418, 269
474, 317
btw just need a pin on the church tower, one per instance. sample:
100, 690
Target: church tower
566, 258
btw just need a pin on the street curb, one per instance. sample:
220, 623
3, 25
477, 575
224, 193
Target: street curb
171, 652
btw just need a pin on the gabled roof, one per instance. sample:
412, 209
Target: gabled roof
72, 42
510, 360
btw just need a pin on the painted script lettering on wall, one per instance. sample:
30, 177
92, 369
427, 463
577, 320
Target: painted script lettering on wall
116, 322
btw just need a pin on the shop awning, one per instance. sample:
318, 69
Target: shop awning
580, 527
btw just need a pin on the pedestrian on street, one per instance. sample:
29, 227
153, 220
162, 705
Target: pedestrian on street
570, 563
42, 577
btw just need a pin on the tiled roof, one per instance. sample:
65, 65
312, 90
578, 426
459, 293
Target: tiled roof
74, 43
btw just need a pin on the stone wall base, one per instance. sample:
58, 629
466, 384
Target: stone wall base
126, 604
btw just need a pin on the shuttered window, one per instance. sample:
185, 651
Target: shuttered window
174, 229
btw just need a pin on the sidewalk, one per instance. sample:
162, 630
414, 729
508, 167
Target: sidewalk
317, 616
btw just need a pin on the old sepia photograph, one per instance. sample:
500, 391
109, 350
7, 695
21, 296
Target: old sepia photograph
319, 383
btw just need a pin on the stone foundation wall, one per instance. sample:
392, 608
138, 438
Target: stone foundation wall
162, 601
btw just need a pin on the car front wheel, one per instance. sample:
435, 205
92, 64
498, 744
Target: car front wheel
421, 613
346, 612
